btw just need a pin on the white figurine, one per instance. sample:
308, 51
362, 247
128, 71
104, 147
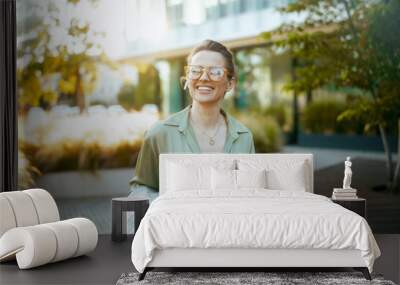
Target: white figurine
347, 174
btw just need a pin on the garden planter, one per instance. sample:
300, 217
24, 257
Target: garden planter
80, 184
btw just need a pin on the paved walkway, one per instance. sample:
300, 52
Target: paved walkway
99, 209
324, 157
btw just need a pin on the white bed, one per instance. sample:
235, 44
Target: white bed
201, 220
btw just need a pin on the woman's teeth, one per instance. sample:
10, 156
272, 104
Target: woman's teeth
206, 88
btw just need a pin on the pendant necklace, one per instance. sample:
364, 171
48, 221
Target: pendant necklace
211, 140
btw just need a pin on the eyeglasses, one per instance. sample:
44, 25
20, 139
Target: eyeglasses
215, 73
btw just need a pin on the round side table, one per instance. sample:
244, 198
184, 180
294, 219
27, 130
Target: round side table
119, 208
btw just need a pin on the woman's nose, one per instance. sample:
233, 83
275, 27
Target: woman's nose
204, 75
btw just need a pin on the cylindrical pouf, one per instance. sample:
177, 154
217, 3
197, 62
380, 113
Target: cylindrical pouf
7, 218
87, 233
33, 246
45, 205
67, 240
41, 244
26, 208
23, 208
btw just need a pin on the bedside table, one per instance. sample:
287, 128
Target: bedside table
358, 206
119, 208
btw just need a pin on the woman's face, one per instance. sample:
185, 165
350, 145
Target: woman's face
204, 90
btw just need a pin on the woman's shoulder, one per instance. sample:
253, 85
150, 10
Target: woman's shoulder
155, 129
166, 125
237, 126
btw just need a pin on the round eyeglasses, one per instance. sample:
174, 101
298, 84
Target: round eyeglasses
215, 73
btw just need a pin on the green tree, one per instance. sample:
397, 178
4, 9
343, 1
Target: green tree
148, 89
50, 66
126, 96
350, 43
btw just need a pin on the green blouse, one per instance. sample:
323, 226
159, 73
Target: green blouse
175, 135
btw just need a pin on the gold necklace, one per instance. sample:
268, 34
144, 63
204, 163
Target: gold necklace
211, 140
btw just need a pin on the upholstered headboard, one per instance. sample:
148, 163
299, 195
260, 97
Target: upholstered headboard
276, 162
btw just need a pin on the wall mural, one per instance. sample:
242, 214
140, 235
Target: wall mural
92, 82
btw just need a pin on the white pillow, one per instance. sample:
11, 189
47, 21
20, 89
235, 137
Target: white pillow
251, 179
224, 179
181, 177
293, 179
281, 174
186, 175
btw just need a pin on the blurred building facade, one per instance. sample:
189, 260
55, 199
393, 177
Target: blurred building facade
171, 28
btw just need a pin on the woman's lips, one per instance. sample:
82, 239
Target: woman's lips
204, 89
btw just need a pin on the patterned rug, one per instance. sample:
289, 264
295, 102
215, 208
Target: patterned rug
243, 278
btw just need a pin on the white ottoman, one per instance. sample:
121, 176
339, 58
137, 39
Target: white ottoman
31, 232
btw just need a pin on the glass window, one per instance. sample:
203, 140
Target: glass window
264, 4
175, 13
243, 6
211, 9
223, 10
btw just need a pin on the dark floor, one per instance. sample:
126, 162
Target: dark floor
103, 266
383, 207
110, 259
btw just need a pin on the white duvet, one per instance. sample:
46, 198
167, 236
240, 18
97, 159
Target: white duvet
250, 219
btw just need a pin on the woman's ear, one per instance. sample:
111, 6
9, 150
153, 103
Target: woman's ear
184, 82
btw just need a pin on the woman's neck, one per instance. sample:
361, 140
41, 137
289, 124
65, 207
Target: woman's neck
206, 115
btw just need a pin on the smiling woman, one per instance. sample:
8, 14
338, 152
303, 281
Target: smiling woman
203, 126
